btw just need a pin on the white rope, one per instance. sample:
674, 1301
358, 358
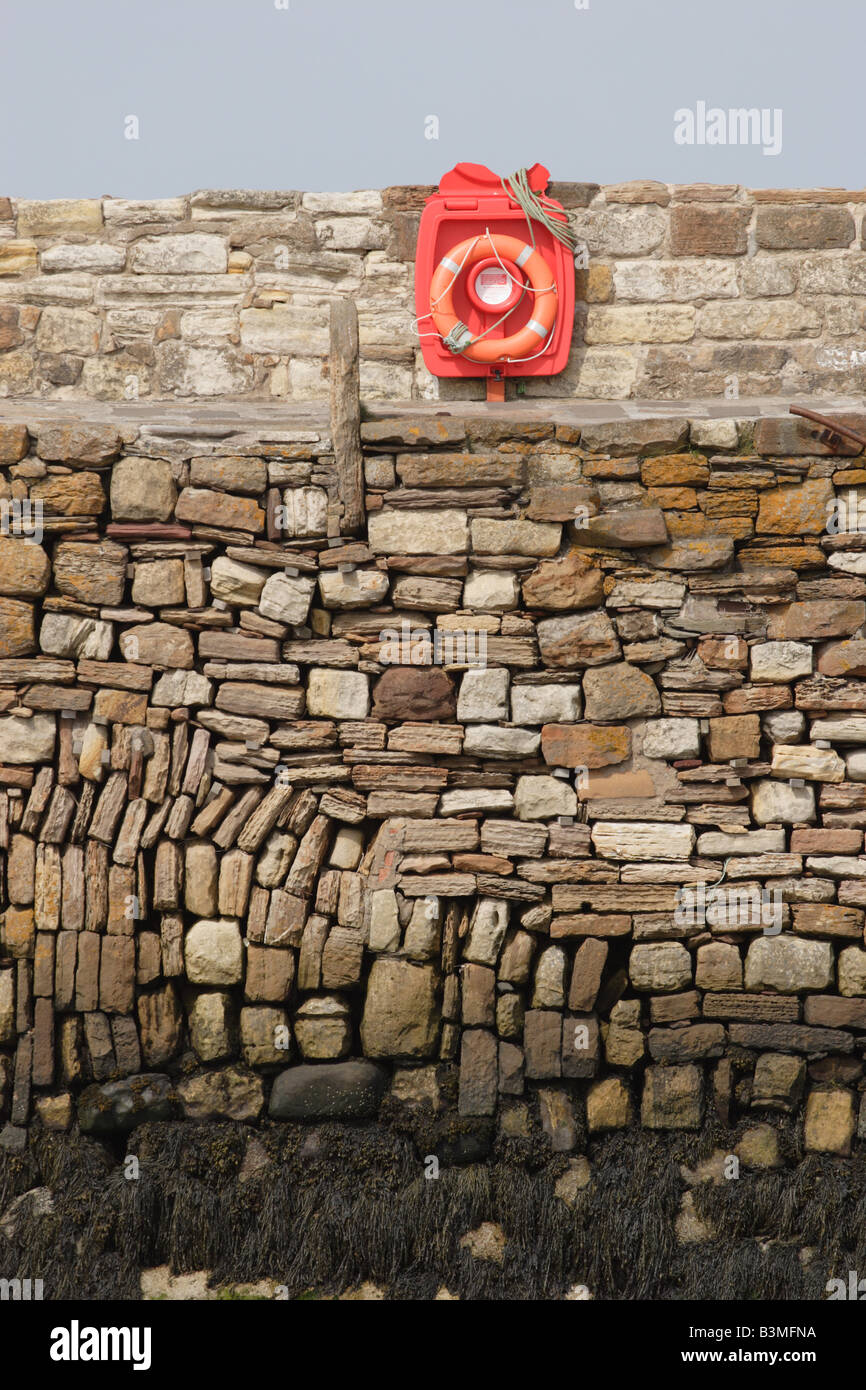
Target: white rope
446, 290
546, 289
535, 354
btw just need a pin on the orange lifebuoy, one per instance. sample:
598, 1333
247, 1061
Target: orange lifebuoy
531, 337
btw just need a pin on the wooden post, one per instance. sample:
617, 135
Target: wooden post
346, 412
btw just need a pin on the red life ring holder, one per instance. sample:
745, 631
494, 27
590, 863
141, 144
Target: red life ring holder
531, 337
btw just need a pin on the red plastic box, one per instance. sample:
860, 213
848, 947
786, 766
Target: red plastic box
471, 199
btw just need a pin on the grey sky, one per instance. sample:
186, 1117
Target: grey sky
333, 94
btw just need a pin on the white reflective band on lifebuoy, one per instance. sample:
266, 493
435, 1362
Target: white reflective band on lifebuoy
524, 256
449, 264
537, 328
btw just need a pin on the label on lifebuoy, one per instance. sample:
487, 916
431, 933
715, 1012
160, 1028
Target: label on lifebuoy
492, 285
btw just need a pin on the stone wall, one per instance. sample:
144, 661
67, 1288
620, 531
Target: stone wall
698, 290
290, 819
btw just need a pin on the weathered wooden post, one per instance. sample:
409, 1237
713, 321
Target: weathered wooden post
346, 412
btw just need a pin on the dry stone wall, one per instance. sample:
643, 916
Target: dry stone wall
685, 290
539, 803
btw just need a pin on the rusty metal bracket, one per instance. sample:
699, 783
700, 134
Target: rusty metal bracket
834, 434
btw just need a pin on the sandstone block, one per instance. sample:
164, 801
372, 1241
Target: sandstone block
702, 230
718, 967
185, 253
672, 1098
660, 967
210, 508
570, 583
260, 1037
306, 511
360, 588
25, 569
213, 953
491, 591
608, 1105
789, 965
337, 694
384, 925
158, 644
401, 1017
817, 618
492, 537
778, 801
323, 1029
785, 227
542, 1041
237, 583
479, 1072
780, 661
806, 761
625, 530
158, 584
27, 740
581, 639
91, 572
56, 217
830, 1122
796, 511
652, 323
483, 695
587, 971
142, 489
228, 472
227, 1093
213, 1026
737, 736
418, 532
486, 931
585, 745
17, 632
14, 441
492, 741
544, 704
852, 971
63, 635
287, 599
843, 659
68, 330
778, 1081
541, 798
671, 739
413, 693
160, 1024
549, 985
620, 691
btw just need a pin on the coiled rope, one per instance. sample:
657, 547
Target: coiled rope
535, 207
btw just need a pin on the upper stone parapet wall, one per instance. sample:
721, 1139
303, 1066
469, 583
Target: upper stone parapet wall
701, 290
